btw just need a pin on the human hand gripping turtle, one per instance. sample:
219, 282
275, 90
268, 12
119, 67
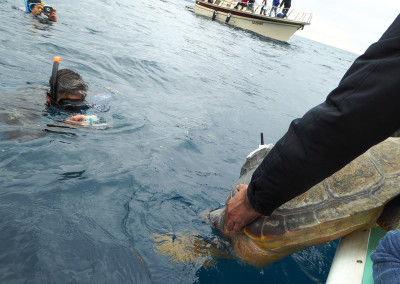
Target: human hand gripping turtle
238, 211
320, 181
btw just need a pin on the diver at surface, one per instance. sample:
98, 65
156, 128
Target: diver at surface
38, 8
68, 92
67, 89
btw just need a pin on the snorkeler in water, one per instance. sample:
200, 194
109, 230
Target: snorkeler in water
68, 92
38, 8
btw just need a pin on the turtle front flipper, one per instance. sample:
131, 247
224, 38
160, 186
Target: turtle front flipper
190, 248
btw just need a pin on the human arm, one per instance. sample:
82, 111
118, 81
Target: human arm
361, 112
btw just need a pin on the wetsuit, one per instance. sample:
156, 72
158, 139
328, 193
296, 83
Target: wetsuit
362, 111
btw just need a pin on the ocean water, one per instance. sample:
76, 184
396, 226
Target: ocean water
181, 99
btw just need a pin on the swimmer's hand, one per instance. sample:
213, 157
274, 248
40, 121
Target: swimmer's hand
78, 120
52, 16
81, 120
78, 117
37, 10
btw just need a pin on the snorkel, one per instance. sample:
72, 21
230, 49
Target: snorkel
53, 82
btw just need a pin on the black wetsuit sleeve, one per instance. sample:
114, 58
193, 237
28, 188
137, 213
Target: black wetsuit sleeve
362, 111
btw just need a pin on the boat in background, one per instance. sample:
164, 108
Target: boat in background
273, 27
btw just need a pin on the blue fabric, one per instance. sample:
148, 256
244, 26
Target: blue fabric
29, 4
386, 259
273, 9
275, 3
27, 7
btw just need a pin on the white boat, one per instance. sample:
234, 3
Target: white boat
274, 27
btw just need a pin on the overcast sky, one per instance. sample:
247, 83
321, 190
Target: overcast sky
350, 25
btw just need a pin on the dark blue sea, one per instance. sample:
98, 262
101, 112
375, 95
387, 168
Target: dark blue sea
181, 102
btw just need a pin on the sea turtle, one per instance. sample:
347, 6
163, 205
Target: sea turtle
352, 198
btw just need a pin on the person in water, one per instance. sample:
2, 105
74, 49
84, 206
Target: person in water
36, 7
67, 91
361, 112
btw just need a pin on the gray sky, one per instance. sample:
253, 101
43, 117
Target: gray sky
350, 25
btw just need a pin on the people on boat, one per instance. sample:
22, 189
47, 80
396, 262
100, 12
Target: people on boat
286, 6
36, 7
263, 7
250, 5
362, 111
242, 3
274, 7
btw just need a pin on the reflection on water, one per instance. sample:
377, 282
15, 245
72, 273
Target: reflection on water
22, 114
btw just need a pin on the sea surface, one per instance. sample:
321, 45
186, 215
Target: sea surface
181, 102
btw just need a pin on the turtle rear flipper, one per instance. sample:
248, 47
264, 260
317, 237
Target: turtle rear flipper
390, 217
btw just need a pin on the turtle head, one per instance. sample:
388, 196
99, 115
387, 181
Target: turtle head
216, 219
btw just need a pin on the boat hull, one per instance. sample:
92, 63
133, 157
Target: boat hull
272, 27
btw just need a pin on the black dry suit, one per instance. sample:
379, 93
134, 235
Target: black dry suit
361, 112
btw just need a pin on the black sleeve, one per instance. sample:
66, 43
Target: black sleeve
361, 112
